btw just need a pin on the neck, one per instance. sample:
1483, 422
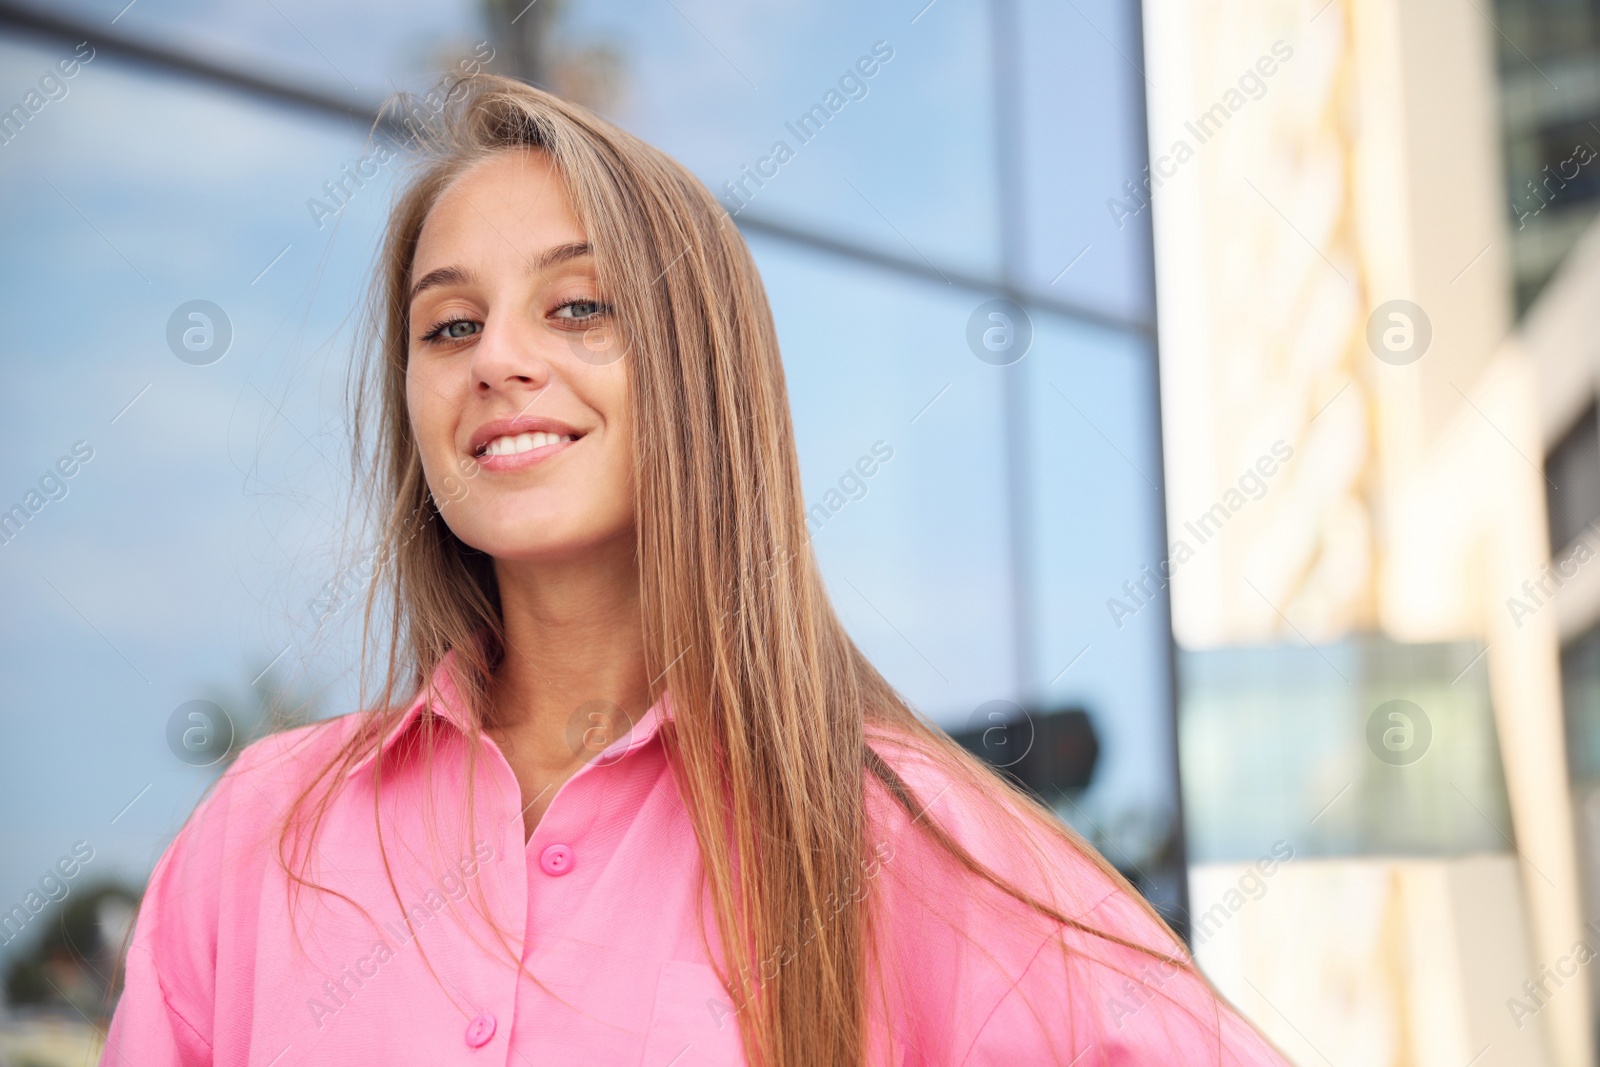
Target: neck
573, 635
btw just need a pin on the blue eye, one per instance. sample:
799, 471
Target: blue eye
452, 330
581, 309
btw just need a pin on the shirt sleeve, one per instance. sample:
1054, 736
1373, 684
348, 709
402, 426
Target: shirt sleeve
1089, 1001
164, 1016
995, 980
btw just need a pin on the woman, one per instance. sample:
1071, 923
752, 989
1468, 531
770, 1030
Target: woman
631, 794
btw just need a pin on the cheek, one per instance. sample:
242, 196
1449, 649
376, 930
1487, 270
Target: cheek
619, 458
430, 409
619, 477
599, 487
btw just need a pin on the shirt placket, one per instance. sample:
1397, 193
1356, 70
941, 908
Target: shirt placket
558, 845
492, 1002
556, 849
562, 856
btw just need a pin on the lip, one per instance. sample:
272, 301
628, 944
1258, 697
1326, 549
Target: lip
519, 425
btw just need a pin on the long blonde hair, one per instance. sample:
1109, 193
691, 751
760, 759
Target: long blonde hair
774, 703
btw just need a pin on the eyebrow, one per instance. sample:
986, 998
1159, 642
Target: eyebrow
550, 257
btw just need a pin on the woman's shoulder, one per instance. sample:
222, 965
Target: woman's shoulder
285, 761
298, 748
938, 792
261, 784
1037, 948
215, 861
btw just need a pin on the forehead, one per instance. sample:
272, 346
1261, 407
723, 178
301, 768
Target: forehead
510, 206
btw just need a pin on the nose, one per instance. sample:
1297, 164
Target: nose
505, 359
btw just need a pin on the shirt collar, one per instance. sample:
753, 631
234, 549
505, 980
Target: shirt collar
441, 701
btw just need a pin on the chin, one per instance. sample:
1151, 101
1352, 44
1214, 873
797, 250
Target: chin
536, 538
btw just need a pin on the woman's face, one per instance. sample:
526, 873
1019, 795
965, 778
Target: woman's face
517, 396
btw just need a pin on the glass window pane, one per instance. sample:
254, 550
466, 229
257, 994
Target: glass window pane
1093, 511
899, 160
1391, 750
915, 554
1082, 128
181, 554
359, 51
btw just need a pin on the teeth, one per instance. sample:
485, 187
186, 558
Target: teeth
511, 445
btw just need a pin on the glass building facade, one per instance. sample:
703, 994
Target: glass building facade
1549, 58
954, 293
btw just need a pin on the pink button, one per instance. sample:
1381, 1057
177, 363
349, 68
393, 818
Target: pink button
556, 860
480, 1030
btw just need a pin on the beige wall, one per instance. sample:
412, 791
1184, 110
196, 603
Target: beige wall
1367, 171
1378, 962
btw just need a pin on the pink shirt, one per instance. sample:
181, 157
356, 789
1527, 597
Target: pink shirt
603, 905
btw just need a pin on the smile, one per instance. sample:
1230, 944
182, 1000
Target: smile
516, 444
